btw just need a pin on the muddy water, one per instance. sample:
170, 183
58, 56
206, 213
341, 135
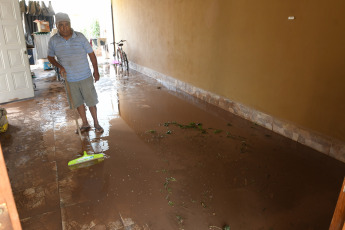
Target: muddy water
172, 162
230, 171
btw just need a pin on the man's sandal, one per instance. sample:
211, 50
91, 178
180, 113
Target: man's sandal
99, 129
84, 129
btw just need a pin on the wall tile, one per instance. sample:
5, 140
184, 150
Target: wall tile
338, 150
262, 119
287, 130
315, 141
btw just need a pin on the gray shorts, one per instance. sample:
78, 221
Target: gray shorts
83, 92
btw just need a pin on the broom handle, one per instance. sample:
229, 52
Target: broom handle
69, 95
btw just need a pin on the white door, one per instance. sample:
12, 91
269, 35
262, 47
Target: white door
15, 74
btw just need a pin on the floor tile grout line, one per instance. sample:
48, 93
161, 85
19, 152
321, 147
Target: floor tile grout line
57, 175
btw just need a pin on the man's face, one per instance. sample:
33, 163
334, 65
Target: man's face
64, 28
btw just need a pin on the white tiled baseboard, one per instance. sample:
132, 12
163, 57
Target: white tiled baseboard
317, 141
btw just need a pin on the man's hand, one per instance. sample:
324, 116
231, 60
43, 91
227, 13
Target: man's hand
53, 61
96, 76
95, 66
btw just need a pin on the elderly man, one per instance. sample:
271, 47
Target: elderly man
71, 49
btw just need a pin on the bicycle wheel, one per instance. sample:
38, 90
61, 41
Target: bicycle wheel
118, 56
122, 61
125, 61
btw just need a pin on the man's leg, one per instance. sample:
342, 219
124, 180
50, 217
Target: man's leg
93, 111
82, 113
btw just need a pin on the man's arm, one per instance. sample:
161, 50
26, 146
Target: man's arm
57, 64
95, 65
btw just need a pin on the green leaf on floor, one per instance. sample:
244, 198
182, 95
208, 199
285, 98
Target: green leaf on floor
228, 134
218, 131
226, 227
163, 171
179, 218
203, 204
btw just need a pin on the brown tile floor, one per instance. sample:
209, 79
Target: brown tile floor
160, 171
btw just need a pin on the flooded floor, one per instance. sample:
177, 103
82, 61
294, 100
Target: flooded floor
171, 162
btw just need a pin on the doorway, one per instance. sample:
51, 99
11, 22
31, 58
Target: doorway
93, 19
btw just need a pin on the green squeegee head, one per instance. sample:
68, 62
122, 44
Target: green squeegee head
85, 158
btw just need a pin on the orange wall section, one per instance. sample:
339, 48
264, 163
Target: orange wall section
247, 51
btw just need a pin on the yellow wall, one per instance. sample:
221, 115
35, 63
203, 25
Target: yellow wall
247, 51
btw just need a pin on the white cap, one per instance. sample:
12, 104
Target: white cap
61, 17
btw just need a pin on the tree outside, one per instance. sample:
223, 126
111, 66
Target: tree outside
93, 31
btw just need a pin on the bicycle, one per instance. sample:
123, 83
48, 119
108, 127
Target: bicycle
121, 55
